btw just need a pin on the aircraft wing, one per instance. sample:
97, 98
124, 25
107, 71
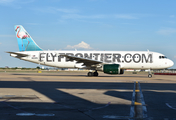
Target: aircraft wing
86, 61
18, 54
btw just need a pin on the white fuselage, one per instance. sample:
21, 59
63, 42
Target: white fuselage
126, 59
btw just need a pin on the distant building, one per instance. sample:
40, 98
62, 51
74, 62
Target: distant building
130, 70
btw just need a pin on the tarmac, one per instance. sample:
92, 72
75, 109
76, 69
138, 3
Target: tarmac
75, 96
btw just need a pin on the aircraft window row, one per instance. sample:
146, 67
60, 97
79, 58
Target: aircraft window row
123, 57
162, 57
131, 57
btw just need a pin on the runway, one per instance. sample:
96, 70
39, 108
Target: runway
74, 96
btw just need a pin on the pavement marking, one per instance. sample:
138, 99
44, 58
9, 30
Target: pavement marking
14, 107
137, 91
132, 111
45, 114
101, 106
25, 114
137, 103
143, 102
138, 108
32, 114
116, 117
170, 106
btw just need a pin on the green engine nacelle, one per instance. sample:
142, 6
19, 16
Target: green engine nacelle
112, 69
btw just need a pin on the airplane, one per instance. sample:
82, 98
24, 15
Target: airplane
109, 62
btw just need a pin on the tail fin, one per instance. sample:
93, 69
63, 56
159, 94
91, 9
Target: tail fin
25, 41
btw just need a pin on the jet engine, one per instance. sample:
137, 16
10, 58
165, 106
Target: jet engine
112, 69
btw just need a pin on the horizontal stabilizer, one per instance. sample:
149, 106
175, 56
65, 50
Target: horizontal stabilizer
15, 54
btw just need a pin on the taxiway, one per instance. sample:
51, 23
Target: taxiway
73, 95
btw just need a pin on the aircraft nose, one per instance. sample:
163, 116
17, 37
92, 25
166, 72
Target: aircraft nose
171, 63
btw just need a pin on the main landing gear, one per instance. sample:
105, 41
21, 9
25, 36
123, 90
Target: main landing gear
92, 74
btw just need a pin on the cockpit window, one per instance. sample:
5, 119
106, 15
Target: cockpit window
162, 57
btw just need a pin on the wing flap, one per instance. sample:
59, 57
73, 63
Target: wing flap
86, 61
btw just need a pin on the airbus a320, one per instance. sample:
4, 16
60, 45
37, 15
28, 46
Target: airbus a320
109, 62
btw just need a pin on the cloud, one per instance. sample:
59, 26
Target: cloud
166, 31
76, 16
16, 4
172, 16
15, 1
100, 16
32, 23
175, 56
6, 1
68, 13
56, 10
66, 10
125, 16
81, 45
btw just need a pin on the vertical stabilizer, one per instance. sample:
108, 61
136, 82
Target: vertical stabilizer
25, 41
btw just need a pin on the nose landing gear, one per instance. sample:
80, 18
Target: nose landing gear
149, 73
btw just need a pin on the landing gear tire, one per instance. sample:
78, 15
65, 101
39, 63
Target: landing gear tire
89, 74
95, 73
92, 74
150, 75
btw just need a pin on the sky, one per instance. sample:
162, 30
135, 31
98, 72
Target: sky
116, 25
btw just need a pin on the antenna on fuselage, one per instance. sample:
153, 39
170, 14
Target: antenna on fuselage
148, 51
